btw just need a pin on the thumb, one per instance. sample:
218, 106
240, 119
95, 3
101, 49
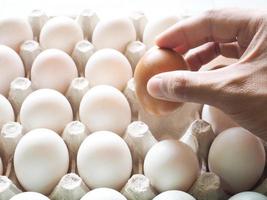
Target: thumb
185, 86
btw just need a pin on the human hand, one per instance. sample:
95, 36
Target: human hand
240, 89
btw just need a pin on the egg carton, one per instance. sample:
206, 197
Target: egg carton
71, 186
142, 133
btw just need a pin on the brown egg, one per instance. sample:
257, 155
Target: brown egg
156, 61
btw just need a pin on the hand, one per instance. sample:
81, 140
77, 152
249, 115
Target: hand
240, 89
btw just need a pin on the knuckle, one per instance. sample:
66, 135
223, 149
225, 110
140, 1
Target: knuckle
209, 13
214, 13
208, 18
177, 85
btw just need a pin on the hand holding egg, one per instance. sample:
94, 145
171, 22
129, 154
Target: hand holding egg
156, 61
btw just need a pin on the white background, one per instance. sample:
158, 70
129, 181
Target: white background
114, 7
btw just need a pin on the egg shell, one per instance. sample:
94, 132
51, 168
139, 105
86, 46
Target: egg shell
53, 69
156, 61
46, 108
109, 67
155, 27
14, 31
29, 196
104, 160
174, 195
114, 33
11, 67
248, 196
171, 165
103, 194
218, 119
238, 158
61, 33
104, 107
6, 111
1, 167
41, 158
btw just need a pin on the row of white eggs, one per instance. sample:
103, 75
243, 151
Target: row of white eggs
55, 69
101, 193
41, 151
107, 66
63, 32
177, 168
245, 168
102, 108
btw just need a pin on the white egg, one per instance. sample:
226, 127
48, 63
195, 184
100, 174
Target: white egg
155, 27
105, 108
171, 165
238, 158
6, 111
29, 196
1, 166
41, 158
174, 195
60, 33
114, 33
46, 108
109, 67
11, 67
104, 160
14, 31
103, 194
218, 119
53, 69
248, 196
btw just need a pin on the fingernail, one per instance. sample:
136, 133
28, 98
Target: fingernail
154, 87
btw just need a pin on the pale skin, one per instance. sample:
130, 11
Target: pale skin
240, 89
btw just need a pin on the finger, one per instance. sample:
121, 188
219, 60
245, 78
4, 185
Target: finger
218, 26
201, 55
231, 50
204, 87
207, 52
